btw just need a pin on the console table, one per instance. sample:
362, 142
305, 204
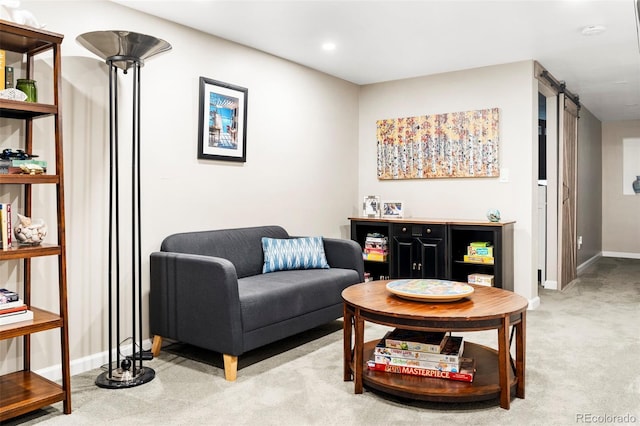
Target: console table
435, 248
497, 375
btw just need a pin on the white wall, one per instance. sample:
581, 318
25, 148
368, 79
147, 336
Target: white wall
509, 87
301, 169
620, 212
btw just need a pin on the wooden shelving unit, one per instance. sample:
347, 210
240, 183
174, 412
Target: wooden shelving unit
24, 391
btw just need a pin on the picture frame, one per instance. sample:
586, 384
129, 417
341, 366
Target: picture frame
222, 125
392, 209
371, 206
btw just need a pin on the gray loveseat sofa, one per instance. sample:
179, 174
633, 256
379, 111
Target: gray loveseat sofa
208, 289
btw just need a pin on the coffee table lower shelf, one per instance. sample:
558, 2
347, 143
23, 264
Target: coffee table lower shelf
485, 384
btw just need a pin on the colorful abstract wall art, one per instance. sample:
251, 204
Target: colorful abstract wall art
455, 144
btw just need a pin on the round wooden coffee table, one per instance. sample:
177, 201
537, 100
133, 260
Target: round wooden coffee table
497, 374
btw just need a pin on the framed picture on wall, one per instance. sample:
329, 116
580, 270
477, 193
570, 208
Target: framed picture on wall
371, 206
392, 209
222, 131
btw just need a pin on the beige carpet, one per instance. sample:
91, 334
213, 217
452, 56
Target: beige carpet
582, 367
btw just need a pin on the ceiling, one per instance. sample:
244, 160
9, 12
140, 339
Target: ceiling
379, 41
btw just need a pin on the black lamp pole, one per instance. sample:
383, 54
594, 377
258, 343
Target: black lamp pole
124, 50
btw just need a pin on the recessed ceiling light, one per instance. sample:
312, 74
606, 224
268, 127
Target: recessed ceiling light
328, 46
593, 30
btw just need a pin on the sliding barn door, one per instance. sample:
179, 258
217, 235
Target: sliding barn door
568, 148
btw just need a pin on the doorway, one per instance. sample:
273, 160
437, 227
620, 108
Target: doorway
547, 192
557, 200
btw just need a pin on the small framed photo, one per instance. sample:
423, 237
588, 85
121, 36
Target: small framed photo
371, 206
392, 209
222, 131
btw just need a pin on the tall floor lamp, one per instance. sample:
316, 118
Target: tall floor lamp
124, 50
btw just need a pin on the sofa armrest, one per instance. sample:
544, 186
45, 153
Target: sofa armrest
346, 254
194, 299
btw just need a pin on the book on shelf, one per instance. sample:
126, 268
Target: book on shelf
12, 310
3, 63
376, 241
5, 223
480, 279
480, 251
453, 367
450, 353
422, 341
375, 248
479, 259
16, 317
7, 296
479, 244
466, 373
375, 257
13, 304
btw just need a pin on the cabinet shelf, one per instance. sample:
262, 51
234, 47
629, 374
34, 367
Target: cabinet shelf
485, 383
25, 391
23, 110
25, 252
462, 262
29, 179
24, 39
42, 320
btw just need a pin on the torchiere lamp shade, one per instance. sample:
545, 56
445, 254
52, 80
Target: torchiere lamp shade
123, 48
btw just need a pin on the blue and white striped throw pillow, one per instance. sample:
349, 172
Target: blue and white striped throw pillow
293, 253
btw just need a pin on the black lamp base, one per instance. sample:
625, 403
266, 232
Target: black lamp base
124, 379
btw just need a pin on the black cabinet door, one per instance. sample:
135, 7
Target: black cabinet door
403, 257
418, 257
431, 258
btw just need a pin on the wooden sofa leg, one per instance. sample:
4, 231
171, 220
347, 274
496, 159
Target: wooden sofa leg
230, 367
156, 345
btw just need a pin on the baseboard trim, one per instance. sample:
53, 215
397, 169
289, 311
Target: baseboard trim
551, 285
621, 254
84, 364
588, 262
533, 303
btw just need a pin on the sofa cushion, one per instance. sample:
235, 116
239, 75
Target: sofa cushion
293, 253
271, 298
241, 246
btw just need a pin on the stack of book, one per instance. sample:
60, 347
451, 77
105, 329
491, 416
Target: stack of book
481, 279
12, 308
427, 354
479, 252
376, 247
5, 225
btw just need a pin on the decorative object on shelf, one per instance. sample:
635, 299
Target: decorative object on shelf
392, 209
430, 290
29, 231
124, 50
457, 144
371, 206
13, 95
31, 169
493, 215
8, 77
18, 154
636, 185
222, 130
28, 87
